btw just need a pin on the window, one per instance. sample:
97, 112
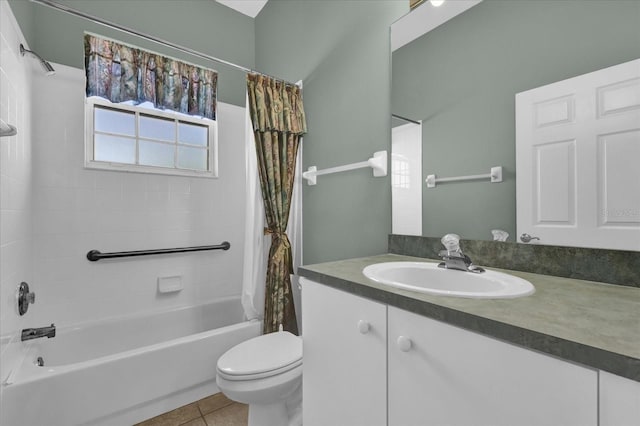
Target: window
142, 138
400, 172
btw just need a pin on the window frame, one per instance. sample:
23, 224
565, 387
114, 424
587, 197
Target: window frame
89, 140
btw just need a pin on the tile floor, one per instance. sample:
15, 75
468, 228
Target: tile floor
214, 410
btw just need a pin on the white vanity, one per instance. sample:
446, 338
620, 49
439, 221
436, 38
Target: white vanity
368, 361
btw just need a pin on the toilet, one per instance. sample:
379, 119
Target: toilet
265, 372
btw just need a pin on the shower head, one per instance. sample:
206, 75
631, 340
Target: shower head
7, 129
46, 66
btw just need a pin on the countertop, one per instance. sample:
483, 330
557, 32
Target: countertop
590, 323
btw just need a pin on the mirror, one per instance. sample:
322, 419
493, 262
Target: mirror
460, 80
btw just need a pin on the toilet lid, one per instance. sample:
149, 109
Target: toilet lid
272, 352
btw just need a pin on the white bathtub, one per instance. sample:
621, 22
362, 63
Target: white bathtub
122, 371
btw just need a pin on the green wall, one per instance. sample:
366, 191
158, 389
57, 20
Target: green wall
461, 79
203, 25
340, 49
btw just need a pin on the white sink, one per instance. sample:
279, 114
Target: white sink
427, 277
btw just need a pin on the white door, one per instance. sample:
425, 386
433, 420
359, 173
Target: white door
446, 376
578, 160
344, 367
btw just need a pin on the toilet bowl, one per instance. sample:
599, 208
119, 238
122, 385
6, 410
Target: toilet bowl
266, 373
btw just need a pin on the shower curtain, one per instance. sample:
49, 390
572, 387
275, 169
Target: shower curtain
278, 119
257, 244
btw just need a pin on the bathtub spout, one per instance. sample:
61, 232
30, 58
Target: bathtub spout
34, 333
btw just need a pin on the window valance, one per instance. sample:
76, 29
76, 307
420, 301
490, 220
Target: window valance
121, 73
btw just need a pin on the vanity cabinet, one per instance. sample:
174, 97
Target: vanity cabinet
366, 363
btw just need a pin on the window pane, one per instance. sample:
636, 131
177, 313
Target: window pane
114, 149
157, 128
192, 134
156, 154
110, 121
192, 158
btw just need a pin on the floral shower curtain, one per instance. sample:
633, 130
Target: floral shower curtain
279, 122
121, 73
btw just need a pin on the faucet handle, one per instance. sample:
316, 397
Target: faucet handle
451, 242
24, 298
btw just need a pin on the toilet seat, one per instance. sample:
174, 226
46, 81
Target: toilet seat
263, 356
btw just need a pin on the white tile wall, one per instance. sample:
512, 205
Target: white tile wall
77, 210
53, 211
15, 182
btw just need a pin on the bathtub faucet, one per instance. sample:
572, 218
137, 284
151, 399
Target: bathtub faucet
34, 333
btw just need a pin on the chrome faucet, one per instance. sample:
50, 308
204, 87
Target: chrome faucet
34, 333
454, 258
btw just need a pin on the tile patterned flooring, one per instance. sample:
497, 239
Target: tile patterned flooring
214, 410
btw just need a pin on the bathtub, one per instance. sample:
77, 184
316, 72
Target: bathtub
125, 370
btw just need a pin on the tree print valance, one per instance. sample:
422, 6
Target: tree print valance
121, 73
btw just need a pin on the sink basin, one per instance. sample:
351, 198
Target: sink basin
427, 277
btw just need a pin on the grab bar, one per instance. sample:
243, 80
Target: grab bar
95, 255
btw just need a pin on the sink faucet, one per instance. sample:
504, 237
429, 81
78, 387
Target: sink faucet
454, 258
34, 333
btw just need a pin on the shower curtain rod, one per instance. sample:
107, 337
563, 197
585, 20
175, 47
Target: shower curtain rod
408, 120
113, 25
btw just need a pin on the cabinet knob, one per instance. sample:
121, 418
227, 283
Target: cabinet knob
404, 343
363, 327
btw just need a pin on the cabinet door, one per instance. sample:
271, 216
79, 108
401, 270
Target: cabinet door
619, 401
449, 376
344, 365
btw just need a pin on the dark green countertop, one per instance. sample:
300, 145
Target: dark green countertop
591, 323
